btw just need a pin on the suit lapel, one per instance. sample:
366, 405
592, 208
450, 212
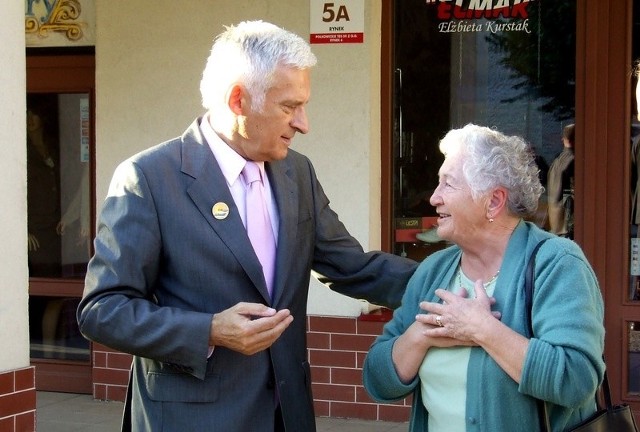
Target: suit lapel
285, 192
210, 187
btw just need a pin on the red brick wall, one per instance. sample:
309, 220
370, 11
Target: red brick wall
18, 400
110, 373
337, 347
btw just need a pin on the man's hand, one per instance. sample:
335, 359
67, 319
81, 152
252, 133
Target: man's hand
248, 328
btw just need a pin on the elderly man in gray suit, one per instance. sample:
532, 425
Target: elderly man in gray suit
219, 342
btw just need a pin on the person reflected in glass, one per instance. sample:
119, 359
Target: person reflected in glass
78, 213
560, 186
634, 293
457, 344
635, 150
43, 192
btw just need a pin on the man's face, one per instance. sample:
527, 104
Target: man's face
266, 135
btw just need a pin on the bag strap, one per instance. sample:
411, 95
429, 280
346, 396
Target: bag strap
529, 280
606, 392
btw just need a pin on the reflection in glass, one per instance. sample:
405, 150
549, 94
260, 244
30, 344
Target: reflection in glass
634, 146
516, 74
634, 357
54, 330
43, 182
58, 184
58, 208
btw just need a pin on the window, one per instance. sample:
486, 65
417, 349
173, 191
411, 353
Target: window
512, 69
60, 91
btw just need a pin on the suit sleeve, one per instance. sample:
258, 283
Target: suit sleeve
118, 308
376, 276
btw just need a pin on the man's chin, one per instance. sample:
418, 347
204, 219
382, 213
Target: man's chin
280, 155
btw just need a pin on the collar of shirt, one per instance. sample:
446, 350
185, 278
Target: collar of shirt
231, 165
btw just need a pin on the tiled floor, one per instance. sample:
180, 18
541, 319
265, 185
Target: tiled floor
66, 412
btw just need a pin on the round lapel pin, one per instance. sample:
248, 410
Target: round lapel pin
220, 210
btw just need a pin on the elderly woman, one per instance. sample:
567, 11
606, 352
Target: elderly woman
457, 342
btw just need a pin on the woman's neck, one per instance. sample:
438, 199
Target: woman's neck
482, 258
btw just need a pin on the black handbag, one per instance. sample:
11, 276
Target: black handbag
610, 418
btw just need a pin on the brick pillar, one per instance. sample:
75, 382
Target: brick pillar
110, 373
18, 400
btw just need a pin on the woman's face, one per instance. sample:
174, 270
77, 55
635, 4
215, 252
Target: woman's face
459, 215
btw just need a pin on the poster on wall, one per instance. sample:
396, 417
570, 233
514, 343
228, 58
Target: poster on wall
84, 128
336, 22
59, 23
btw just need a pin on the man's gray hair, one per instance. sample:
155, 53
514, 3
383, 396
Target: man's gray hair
249, 53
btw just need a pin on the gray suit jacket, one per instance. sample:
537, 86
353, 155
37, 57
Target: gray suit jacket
163, 265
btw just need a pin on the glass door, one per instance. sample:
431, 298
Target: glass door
633, 296
511, 68
60, 223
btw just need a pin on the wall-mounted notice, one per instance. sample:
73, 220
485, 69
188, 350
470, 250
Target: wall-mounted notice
634, 267
85, 129
336, 22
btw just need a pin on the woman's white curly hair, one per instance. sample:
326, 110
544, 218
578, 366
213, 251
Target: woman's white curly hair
492, 159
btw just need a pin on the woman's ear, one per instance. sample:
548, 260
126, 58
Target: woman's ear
497, 202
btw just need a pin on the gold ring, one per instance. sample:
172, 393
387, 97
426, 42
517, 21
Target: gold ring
439, 320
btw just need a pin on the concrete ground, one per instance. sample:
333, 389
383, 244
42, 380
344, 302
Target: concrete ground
67, 412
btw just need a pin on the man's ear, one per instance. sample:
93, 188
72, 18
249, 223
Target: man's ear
236, 99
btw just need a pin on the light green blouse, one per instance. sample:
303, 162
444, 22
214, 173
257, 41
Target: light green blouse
443, 373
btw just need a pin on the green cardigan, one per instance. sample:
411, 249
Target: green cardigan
563, 364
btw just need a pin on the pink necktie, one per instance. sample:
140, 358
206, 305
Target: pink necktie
258, 222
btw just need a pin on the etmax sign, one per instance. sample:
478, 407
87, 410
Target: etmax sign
469, 9
463, 16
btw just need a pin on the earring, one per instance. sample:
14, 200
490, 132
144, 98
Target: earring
490, 220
